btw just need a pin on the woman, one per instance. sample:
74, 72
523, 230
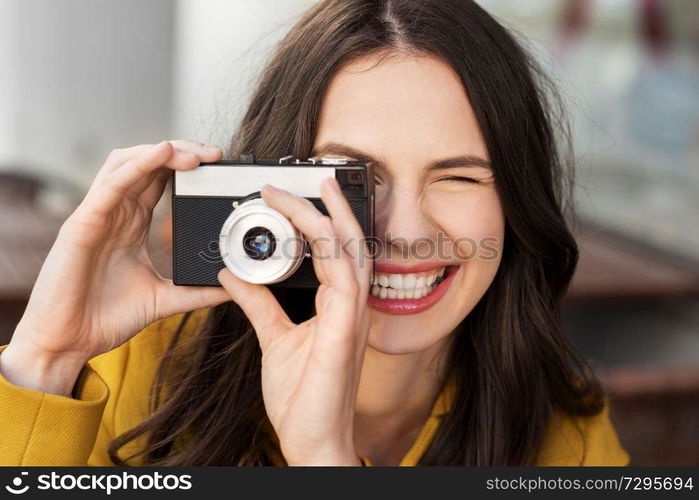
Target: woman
472, 370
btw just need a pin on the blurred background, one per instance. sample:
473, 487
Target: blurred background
79, 78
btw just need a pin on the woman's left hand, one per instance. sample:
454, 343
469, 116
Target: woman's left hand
310, 371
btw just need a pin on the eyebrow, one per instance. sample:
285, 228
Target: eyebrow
453, 162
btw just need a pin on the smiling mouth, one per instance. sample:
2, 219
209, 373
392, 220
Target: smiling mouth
408, 285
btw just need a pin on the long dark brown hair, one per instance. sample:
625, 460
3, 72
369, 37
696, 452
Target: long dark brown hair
511, 361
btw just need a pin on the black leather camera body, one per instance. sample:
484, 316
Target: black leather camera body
219, 219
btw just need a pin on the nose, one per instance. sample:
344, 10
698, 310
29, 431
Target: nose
401, 223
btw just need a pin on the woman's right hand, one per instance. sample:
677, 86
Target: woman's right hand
97, 287
311, 370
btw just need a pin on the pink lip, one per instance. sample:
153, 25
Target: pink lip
391, 267
412, 306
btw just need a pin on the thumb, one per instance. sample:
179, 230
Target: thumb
266, 315
180, 299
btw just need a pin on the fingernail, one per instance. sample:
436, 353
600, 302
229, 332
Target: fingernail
211, 147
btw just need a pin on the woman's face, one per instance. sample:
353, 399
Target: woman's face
441, 222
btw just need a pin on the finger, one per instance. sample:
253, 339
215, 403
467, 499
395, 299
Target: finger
199, 148
339, 209
185, 154
331, 265
347, 228
337, 319
120, 156
110, 187
180, 160
152, 194
266, 315
178, 299
136, 189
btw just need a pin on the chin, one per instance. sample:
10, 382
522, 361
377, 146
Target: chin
405, 336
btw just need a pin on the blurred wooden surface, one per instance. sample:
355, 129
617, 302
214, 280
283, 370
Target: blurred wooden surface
655, 411
612, 266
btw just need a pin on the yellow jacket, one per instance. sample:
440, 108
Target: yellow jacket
111, 396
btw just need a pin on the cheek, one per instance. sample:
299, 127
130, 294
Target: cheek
474, 215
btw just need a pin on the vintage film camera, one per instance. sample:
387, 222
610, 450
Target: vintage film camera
219, 219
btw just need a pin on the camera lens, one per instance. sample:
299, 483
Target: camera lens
259, 243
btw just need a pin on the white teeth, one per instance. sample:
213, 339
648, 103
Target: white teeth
395, 281
401, 293
409, 281
404, 286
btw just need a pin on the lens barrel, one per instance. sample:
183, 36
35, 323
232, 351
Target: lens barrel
260, 245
